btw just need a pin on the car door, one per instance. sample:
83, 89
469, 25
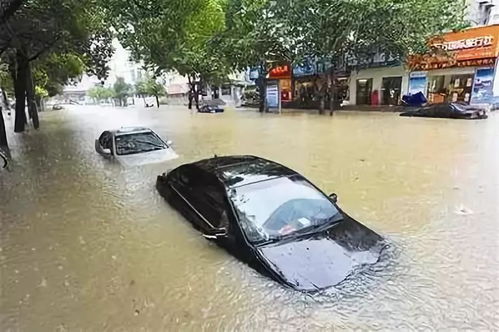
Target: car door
443, 111
209, 198
204, 198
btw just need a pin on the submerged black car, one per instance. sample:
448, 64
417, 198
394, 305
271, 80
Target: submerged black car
272, 218
210, 109
449, 110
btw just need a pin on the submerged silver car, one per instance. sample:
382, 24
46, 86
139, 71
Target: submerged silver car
134, 146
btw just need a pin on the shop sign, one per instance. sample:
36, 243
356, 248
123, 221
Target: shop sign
273, 95
280, 72
305, 69
471, 47
466, 43
254, 73
454, 63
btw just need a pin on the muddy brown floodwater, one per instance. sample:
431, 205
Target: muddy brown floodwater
86, 244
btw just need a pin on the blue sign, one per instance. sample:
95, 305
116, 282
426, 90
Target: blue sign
483, 87
418, 82
254, 73
272, 96
306, 69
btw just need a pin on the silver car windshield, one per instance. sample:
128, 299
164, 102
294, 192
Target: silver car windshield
282, 207
138, 143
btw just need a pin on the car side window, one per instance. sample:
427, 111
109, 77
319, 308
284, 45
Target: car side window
187, 177
208, 197
214, 207
446, 110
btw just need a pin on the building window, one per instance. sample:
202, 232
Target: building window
364, 91
390, 90
226, 90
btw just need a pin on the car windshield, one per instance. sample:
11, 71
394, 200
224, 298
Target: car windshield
137, 143
461, 107
273, 209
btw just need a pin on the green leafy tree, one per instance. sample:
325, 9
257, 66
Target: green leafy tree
256, 35
150, 87
100, 93
122, 91
171, 35
356, 31
38, 28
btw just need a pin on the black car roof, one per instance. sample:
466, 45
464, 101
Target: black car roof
236, 171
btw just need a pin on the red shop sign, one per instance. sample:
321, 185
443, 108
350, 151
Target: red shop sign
280, 72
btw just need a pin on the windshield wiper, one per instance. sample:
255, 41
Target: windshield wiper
151, 143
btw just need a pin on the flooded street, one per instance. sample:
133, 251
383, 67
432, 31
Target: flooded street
87, 244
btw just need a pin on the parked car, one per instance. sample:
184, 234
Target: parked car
210, 109
449, 110
272, 218
212, 106
134, 146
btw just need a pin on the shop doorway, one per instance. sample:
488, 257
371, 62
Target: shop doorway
390, 90
364, 91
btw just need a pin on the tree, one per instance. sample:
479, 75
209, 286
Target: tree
355, 31
99, 93
41, 27
171, 35
150, 87
8, 8
121, 91
256, 35
5, 82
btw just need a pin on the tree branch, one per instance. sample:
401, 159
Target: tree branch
44, 49
10, 10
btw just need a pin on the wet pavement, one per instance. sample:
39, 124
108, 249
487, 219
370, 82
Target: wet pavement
87, 244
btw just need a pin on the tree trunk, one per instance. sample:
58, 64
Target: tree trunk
20, 91
196, 95
30, 94
262, 83
3, 134
157, 100
333, 89
5, 100
191, 91
321, 92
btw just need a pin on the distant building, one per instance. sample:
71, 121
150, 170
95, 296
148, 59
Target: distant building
483, 12
177, 87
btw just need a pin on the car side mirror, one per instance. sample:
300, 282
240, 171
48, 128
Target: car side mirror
334, 197
215, 233
107, 152
101, 150
169, 142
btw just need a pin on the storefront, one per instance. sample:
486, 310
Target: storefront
309, 78
282, 74
378, 86
462, 68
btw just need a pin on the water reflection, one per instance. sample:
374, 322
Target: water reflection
89, 244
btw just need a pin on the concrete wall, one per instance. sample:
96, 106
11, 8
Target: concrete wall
377, 75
